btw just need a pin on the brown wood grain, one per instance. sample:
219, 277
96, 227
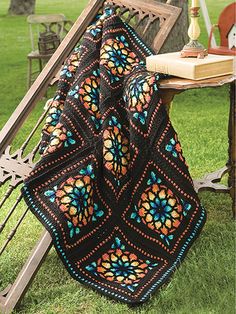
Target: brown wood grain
182, 84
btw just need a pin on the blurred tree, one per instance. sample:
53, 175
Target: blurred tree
21, 7
178, 36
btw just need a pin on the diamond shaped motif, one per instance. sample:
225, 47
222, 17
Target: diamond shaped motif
121, 266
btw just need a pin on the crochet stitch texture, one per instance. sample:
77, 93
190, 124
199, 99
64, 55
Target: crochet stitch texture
112, 186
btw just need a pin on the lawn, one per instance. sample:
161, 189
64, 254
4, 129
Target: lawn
205, 282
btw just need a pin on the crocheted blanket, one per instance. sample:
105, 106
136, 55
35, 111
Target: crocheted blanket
112, 186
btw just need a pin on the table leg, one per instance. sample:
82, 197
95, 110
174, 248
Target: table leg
232, 147
167, 97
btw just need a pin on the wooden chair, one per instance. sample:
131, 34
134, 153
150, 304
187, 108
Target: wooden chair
37, 24
14, 166
226, 21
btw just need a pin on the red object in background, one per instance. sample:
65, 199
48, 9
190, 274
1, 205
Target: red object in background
226, 22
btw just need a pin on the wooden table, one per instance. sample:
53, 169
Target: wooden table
173, 86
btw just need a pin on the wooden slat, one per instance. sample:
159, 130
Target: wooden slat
26, 275
149, 5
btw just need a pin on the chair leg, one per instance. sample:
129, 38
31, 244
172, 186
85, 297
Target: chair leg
40, 65
30, 73
232, 147
29, 80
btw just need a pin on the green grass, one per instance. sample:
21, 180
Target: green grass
204, 283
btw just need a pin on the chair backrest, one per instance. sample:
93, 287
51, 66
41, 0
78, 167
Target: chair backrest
152, 20
45, 23
226, 20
